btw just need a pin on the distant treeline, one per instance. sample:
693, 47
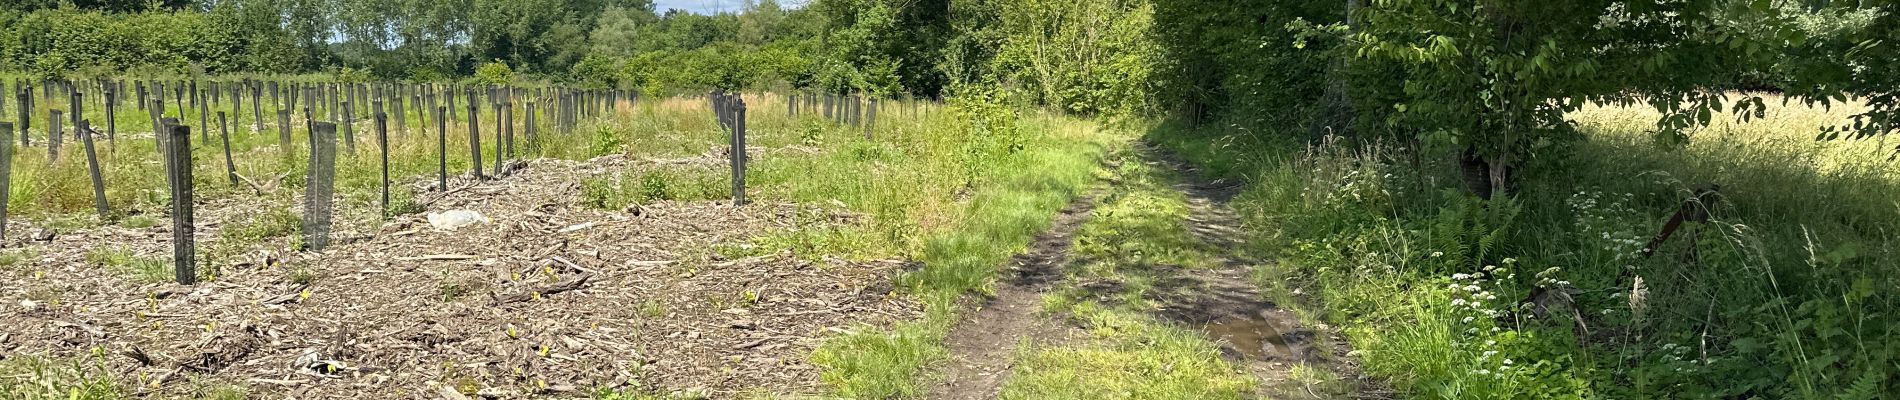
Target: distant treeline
600, 43
1451, 72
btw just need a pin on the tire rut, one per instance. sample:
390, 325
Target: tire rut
983, 343
1225, 301
1265, 338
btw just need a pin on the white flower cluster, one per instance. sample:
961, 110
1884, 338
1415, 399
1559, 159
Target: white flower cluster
1610, 218
1477, 304
1547, 278
1472, 300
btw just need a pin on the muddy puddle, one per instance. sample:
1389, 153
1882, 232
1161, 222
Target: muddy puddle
1262, 337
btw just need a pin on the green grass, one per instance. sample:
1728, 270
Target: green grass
622, 189
958, 188
11, 258
1128, 355
87, 377
130, 264
275, 222
1136, 237
28, 377
1782, 295
910, 190
138, 222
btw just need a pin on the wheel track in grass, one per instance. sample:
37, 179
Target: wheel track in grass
1222, 301
1269, 340
983, 344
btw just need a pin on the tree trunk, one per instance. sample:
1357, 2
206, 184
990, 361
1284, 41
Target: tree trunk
1337, 114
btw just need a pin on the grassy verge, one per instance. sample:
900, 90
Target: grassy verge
1544, 295
979, 186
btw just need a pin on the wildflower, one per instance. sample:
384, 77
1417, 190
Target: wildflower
1481, 372
1507, 361
1437, 254
1457, 302
1468, 320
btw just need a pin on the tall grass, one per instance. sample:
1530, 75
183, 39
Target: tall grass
1782, 294
979, 184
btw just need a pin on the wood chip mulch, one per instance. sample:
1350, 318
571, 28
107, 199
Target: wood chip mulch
547, 299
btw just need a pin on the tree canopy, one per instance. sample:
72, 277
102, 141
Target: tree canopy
1495, 77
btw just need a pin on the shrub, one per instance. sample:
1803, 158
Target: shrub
494, 73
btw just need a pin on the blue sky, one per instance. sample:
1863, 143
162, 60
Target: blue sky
712, 6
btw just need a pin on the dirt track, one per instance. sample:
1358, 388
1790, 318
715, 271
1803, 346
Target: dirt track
984, 342
1263, 338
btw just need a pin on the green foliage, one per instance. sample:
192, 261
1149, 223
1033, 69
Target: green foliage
960, 243
1776, 297
534, 34
57, 42
617, 31
682, 184
993, 132
881, 46
605, 140
28, 377
1242, 66
347, 74
1086, 57
271, 223
494, 73
126, 262
596, 71
139, 222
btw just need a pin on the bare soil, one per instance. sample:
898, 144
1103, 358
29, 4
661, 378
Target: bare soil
982, 345
550, 298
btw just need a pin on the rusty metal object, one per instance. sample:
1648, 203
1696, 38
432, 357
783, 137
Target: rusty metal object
1694, 209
